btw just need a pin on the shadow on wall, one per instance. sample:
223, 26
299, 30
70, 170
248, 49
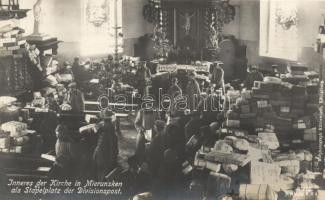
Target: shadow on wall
311, 58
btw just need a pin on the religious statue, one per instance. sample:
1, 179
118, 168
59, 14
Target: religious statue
187, 26
37, 8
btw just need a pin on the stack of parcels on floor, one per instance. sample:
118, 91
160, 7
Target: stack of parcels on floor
15, 137
12, 42
53, 72
271, 173
291, 109
13, 54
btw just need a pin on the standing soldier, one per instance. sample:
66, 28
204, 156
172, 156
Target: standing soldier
106, 152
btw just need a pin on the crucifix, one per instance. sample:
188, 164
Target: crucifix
187, 26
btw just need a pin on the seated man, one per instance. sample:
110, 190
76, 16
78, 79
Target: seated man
253, 75
217, 76
157, 147
75, 98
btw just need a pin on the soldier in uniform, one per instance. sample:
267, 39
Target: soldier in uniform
106, 152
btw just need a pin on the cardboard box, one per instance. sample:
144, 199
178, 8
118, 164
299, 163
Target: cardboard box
15, 128
262, 104
4, 142
269, 139
264, 173
244, 108
233, 123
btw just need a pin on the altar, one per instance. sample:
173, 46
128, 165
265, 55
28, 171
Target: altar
186, 23
187, 31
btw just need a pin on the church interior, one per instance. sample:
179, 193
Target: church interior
162, 99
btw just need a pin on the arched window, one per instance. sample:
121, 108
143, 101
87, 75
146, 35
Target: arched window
278, 29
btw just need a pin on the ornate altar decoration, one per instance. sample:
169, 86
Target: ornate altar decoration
161, 43
192, 26
217, 16
154, 13
96, 11
151, 11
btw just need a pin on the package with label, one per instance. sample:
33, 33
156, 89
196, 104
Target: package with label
230, 139
245, 108
64, 78
232, 115
89, 127
247, 115
312, 89
282, 102
310, 134
284, 109
229, 168
262, 104
217, 185
298, 90
201, 163
260, 94
284, 183
222, 145
6, 101
302, 123
264, 173
269, 139
274, 80
38, 100
15, 128
256, 192
246, 94
241, 144
229, 158
239, 132
52, 80
289, 166
296, 67
233, 123
148, 134
263, 86
21, 149
21, 140
283, 121
4, 142
296, 113
215, 167
299, 124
